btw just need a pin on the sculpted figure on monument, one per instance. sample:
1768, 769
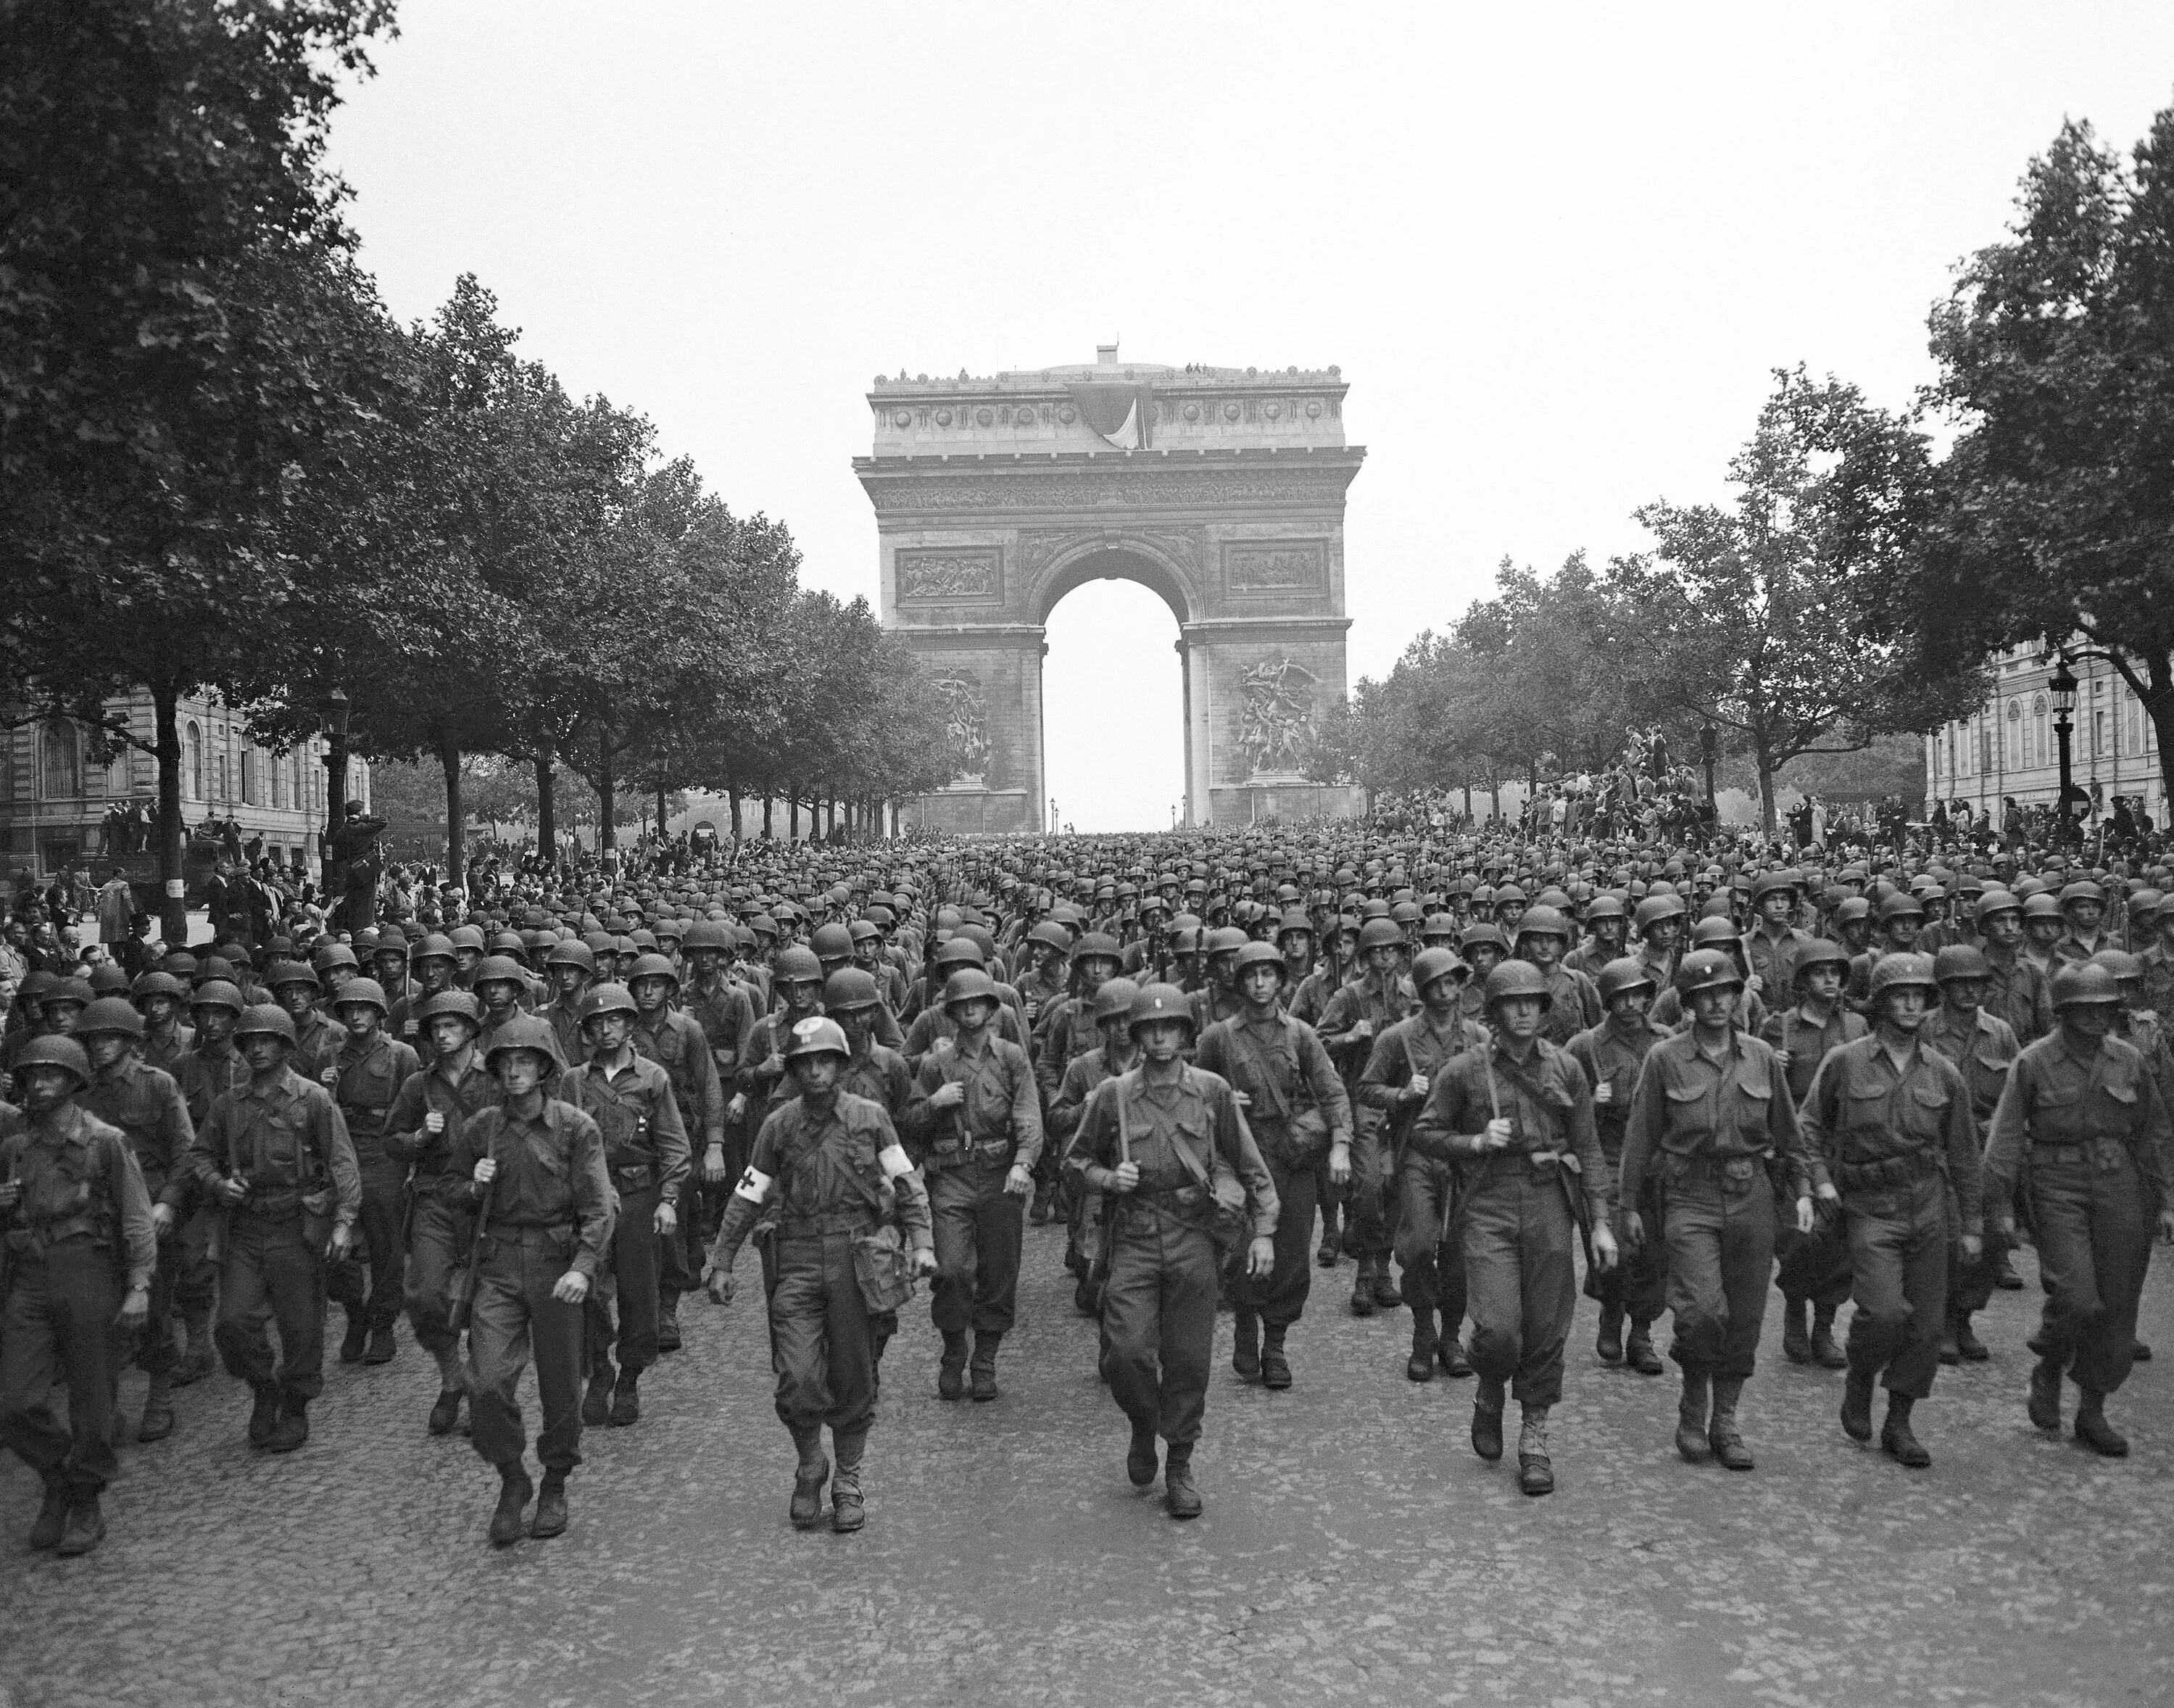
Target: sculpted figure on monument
1275, 714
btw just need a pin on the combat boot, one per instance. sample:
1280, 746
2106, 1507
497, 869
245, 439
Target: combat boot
2092, 1429
1180, 1492
1037, 1212
1332, 1243
667, 1324
1275, 1368
382, 1347
1454, 1364
983, 1370
596, 1403
1362, 1288
158, 1420
550, 1519
1721, 1434
1426, 1347
196, 1355
1386, 1294
1638, 1350
1245, 1346
1896, 1438
626, 1399
264, 1414
2045, 1403
807, 1480
1950, 1353
1608, 1343
1825, 1352
513, 1492
2003, 1274
1692, 1416
51, 1524
356, 1339
445, 1411
1487, 1419
292, 1429
1857, 1405
847, 1511
1967, 1344
1536, 1472
951, 1370
86, 1524
1796, 1337
1141, 1461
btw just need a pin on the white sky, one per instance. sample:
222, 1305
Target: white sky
1555, 251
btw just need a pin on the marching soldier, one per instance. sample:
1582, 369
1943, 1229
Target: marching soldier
1613, 1054
367, 1076
1085, 1244
1983, 1047
675, 1041
210, 1066
1358, 1013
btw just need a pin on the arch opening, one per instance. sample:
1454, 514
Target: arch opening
1112, 703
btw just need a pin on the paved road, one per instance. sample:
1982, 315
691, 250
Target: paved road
1353, 1548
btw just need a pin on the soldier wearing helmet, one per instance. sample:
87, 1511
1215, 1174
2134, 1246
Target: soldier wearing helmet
1300, 1118
501, 984
984, 1113
1086, 1251
1543, 936
1358, 1013
1339, 956
1399, 1073
1813, 1270
1165, 1144
1045, 975
1067, 1030
1658, 923
1716, 932
1613, 1053
2043, 927
210, 1066
161, 999
674, 1041
274, 1155
831, 1164
428, 1115
1983, 1048
81, 1249
1893, 1119
797, 988
569, 969
2083, 916
531, 1168
1218, 998
145, 1106
1713, 1117
432, 965
1775, 940
1515, 1117
367, 1075
294, 987
1608, 926
2019, 991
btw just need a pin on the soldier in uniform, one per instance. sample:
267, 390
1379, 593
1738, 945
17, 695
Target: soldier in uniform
1085, 1241
1983, 1047
1166, 1144
1891, 1117
159, 998
831, 1164
1574, 1005
571, 968
984, 1115
675, 1040
725, 1009
275, 1156
208, 1068
1358, 1013
367, 1076
1775, 941
294, 987
76, 1223
1713, 1113
533, 1168
1299, 1115
1613, 1053
629, 1097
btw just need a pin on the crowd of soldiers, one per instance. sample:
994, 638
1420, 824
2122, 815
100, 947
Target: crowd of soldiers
1221, 1061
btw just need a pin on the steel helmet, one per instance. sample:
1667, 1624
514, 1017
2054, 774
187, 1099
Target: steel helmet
1260, 954
1432, 963
2083, 890
2078, 983
613, 998
218, 993
2039, 905
1707, 970
1899, 971
831, 942
818, 1034
1715, 930
1663, 905
1625, 973
1153, 1002
1380, 934
2123, 965
571, 952
432, 946
110, 1015
1767, 883
1901, 905
1228, 939
1114, 1000
159, 984
1517, 978
264, 1018
1819, 952
850, 988
955, 952
1051, 935
1608, 904
1509, 893
1543, 922
527, 1032
461, 1005
361, 990
76, 990
1482, 934
53, 1050
107, 980
710, 935
500, 970
467, 937
969, 985
649, 966
1996, 901
796, 964
1294, 919
1850, 910
334, 955
1442, 926
1097, 945
1959, 961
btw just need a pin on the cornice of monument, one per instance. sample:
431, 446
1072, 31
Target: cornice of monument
1092, 480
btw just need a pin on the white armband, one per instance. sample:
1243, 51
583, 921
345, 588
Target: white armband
753, 1186
894, 1160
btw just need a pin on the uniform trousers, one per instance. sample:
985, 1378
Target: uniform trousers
437, 1248
822, 1348
515, 1318
622, 1302
57, 1332
1898, 1254
273, 1273
1430, 1250
979, 1228
1159, 1321
1278, 1298
1519, 1276
2094, 1229
377, 1300
1719, 1232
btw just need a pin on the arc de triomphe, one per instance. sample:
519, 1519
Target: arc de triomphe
1220, 490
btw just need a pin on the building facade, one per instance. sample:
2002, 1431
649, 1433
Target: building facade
58, 806
2008, 749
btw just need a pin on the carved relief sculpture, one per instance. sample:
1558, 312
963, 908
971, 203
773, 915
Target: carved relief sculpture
948, 575
966, 731
1276, 714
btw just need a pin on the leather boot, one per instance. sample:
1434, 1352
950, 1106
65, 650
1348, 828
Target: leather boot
2139, 1350
445, 1411
293, 1428
1721, 1434
1691, 1409
951, 1370
2005, 1276
1487, 1420
1083, 1293
1179, 1492
1245, 1346
1825, 1353
1275, 1368
196, 1355
1857, 1405
1454, 1364
808, 1478
513, 1492
1536, 1472
51, 1524
2092, 1429
1895, 1437
1972, 1349
983, 1370
158, 1420
1638, 1350
1332, 1242
1426, 1347
847, 1511
2046, 1396
1362, 1288
1386, 1294
667, 1324
86, 1524
626, 1399
1795, 1336
1950, 1353
382, 1347
264, 1414
356, 1339
1142, 1460
550, 1519
596, 1403
1608, 1343
1037, 1214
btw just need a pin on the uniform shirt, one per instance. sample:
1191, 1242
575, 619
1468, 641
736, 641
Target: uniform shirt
550, 1173
1003, 1100
371, 1073
1544, 1098
78, 1175
1197, 1111
1982, 1047
882, 1077
1310, 1001
146, 1106
431, 1091
1774, 959
205, 1076
1611, 1054
1069, 1030
317, 1043
2070, 947
2143, 1029
1082, 1074
166, 1053
411, 1029
1575, 1008
1590, 955
1214, 1002
2018, 993
835, 1162
1414, 1045
1807, 1041
725, 1011
1279, 1064
1750, 1016
2056, 1096
1380, 1006
675, 1042
565, 1020
1863, 1110
1690, 1104
2158, 979
287, 1135
634, 1107
934, 1025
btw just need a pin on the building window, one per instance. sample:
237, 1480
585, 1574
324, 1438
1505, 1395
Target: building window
2038, 723
60, 751
249, 776
2013, 737
2098, 734
194, 742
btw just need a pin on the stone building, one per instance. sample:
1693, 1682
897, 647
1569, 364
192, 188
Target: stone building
1220, 490
57, 806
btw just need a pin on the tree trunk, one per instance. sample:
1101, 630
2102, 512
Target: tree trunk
660, 812
173, 901
1763, 753
607, 797
792, 811
767, 803
732, 798
449, 756
1468, 798
546, 816
1495, 783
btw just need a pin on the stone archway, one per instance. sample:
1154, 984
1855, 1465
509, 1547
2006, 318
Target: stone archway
996, 497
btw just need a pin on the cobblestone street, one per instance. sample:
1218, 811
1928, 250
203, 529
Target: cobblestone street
1353, 1548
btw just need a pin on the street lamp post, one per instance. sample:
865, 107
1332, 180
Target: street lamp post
2062, 686
336, 716
1709, 749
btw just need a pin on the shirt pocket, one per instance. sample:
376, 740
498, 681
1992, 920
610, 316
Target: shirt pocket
283, 1140
1925, 1110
